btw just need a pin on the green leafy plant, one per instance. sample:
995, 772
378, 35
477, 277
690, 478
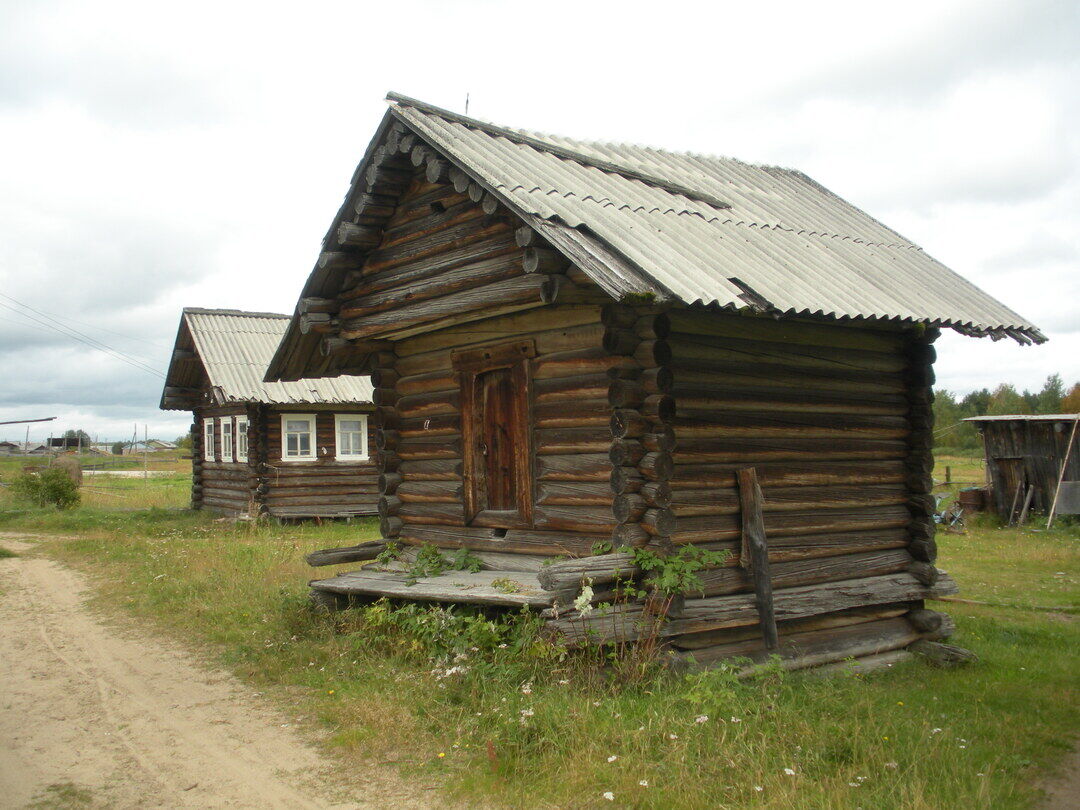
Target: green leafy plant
429, 562
465, 560
49, 487
678, 573
389, 554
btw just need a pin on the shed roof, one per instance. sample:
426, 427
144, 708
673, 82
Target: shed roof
1026, 417
695, 229
233, 349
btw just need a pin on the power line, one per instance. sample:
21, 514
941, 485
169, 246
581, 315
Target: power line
81, 337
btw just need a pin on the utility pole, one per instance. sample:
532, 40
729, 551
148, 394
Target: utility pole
145, 470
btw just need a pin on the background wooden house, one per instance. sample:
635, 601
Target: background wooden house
291, 450
577, 347
1026, 452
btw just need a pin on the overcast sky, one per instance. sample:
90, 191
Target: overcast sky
158, 155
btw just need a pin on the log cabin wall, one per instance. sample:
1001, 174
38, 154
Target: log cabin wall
836, 421
326, 486
222, 485
422, 455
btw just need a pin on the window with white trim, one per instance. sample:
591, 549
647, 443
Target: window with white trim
351, 438
241, 438
297, 436
226, 438
208, 440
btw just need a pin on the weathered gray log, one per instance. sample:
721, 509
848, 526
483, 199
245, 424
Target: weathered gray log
943, 655
597, 570
622, 622
335, 556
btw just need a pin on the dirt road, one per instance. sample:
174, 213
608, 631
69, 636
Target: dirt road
93, 716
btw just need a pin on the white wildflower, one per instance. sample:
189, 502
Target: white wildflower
583, 603
736, 719
758, 788
645, 782
891, 765
527, 712
612, 758
853, 784
673, 736
701, 718
564, 682
526, 689
935, 731
607, 794
789, 772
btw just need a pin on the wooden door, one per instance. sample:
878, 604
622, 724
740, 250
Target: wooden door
497, 415
495, 436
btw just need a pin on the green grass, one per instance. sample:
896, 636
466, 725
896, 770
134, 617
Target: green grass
910, 737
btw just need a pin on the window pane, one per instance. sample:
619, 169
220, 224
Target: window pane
292, 444
297, 425
350, 425
305, 444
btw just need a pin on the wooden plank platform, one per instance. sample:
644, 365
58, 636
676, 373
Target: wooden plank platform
321, 511
514, 588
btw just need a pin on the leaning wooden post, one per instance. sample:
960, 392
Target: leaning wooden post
754, 553
1061, 475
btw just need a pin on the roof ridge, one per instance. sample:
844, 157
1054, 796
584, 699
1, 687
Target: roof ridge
521, 137
239, 313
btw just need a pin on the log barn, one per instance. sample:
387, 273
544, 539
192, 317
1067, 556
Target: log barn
581, 348
1026, 457
288, 450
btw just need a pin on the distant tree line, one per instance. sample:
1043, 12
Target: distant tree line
949, 411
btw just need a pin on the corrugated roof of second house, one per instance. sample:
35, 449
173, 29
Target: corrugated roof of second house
235, 348
712, 230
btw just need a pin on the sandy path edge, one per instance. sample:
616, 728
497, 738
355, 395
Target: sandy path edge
138, 722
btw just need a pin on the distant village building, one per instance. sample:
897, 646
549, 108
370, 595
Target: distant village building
1026, 452
579, 348
291, 450
9, 448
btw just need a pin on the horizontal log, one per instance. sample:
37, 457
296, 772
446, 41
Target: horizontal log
574, 493
795, 448
841, 618
766, 424
442, 241
589, 519
336, 556
624, 622
515, 540
696, 502
783, 473
426, 491
719, 527
790, 573
591, 439
687, 348
814, 648
704, 402
561, 389
483, 250
513, 291
431, 470
581, 413
596, 570
700, 322
577, 362
486, 271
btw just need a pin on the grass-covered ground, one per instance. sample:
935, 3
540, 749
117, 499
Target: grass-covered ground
524, 725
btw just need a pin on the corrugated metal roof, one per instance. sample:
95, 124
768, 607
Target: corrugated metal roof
1027, 417
235, 347
740, 232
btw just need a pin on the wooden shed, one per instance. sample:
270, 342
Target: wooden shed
578, 348
290, 450
1026, 452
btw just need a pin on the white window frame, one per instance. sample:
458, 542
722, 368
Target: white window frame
208, 440
228, 448
363, 455
240, 436
313, 433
